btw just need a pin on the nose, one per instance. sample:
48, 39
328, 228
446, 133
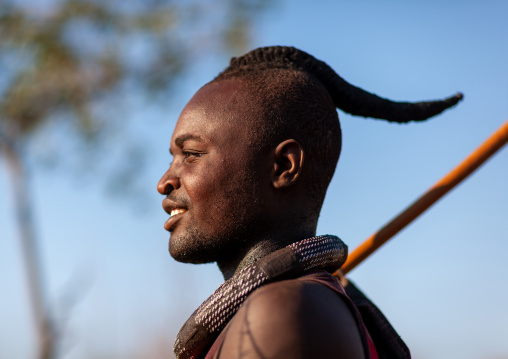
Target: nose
168, 183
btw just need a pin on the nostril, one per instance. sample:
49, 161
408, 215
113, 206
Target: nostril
168, 184
163, 187
168, 189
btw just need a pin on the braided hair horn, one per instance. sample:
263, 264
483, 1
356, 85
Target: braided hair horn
348, 98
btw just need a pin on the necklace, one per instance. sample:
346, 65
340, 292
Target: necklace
205, 324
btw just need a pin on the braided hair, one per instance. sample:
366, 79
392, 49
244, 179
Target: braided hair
299, 96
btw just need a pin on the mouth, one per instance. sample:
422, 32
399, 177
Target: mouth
175, 209
174, 216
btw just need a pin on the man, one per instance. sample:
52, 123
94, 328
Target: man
253, 154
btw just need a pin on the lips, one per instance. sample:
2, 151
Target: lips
170, 224
175, 211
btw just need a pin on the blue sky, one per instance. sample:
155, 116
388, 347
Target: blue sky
441, 281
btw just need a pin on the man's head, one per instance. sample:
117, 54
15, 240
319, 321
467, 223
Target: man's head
255, 150
239, 172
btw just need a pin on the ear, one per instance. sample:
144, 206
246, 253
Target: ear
288, 163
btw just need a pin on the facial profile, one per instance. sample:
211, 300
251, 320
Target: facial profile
214, 185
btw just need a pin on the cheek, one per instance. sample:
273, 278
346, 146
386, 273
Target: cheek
206, 187
219, 196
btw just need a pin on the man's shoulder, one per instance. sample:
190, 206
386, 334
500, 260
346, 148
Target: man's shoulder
293, 318
292, 297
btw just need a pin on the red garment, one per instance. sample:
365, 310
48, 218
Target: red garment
328, 280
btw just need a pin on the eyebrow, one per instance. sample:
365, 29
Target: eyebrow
179, 141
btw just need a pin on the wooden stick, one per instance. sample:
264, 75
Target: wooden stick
497, 140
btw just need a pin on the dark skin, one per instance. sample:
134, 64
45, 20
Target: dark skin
234, 203
291, 319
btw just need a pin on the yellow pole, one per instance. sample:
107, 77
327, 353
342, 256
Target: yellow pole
497, 140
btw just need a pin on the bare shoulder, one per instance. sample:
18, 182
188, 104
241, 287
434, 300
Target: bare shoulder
293, 319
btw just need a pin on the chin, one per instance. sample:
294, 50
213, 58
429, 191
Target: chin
199, 248
190, 250
190, 257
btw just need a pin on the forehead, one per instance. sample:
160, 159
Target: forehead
222, 109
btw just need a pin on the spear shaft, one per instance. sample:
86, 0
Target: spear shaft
497, 140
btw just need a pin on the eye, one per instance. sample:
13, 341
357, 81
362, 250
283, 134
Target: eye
190, 156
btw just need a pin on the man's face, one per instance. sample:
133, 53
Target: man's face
215, 183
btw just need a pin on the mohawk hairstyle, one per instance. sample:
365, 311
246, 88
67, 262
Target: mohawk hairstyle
299, 96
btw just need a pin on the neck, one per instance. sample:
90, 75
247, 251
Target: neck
258, 250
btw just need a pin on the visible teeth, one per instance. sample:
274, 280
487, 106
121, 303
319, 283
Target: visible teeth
177, 211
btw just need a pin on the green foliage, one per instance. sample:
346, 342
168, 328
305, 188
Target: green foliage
60, 59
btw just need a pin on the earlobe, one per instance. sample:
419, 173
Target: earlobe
288, 163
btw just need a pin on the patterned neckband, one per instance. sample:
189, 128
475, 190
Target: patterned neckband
205, 324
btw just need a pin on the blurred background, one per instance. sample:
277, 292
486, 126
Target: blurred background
90, 92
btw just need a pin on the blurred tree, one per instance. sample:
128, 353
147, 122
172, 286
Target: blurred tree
63, 64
